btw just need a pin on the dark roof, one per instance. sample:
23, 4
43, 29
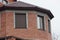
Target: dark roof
25, 6
20, 4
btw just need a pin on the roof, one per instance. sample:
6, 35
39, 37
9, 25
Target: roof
25, 6
20, 4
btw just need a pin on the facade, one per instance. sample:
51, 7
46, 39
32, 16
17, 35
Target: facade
23, 21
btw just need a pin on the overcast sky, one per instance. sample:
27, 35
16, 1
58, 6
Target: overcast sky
54, 6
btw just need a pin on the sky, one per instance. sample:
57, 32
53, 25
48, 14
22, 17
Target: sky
54, 6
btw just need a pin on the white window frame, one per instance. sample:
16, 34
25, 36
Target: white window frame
4, 2
40, 25
49, 26
26, 19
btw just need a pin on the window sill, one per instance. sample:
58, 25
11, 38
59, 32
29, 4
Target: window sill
41, 29
20, 28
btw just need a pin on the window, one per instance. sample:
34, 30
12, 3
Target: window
4, 1
40, 22
49, 27
15, 0
20, 20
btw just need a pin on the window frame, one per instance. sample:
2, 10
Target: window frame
4, 2
43, 28
15, 0
26, 19
49, 26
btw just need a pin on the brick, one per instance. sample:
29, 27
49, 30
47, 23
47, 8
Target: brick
30, 33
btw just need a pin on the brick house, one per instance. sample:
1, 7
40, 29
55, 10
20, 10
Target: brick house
23, 21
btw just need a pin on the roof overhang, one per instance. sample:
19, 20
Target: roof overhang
45, 11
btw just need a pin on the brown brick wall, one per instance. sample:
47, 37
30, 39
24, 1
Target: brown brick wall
0, 24
3, 24
30, 33
46, 24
